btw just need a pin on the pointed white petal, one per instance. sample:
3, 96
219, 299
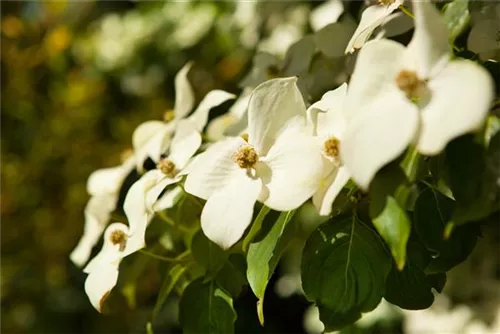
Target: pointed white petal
105, 181
214, 168
460, 98
154, 192
99, 283
377, 135
110, 254
218, 127
292, 171
155, 145
376, 68
326, 13
327, 115
211, 100
168, 199
371, 18
144, 132
272, 104
135, 205
185, 143
429, 49
329, 189
229, 210
184, 95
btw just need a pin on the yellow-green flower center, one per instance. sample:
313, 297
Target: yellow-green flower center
169, 115
409, 82
246, 157
331, 147
118, 237
167, 167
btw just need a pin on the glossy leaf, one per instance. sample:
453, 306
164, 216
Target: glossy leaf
266, 250
255, 228
456, 16
344, 268
205, 308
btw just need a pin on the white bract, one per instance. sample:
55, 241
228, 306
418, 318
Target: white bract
279, 165
141, 202
103, 186
417, 94
326, 13
152, 138
233, 122
103, 268
484, 37
371, 19
328, 124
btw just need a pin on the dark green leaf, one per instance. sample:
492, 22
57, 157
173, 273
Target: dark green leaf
432, 212
266, 250
344, 268
232, 276
437, 281
456, 16
205, 308
298, 57
410, 289
169, 282
333, 38
388, 217
207, 254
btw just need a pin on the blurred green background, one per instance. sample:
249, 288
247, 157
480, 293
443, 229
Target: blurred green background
77, 78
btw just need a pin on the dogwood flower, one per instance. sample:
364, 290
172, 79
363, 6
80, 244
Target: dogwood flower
328, 124
278, 164
140, 203
372, 17
233, 122
484, 37
151, 138
401, 95
104, 187
103, 268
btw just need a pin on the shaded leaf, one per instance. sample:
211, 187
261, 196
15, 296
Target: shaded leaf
456, 16
169, 282
206, 253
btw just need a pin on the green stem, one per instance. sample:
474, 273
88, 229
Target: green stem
171, 222
406, 11
178, 259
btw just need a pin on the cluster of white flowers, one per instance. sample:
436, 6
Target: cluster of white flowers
282, 153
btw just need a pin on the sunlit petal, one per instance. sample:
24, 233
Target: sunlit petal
184, 95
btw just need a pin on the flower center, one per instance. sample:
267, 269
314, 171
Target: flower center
167, 167
118, 237
246, 157
385, 2
331, 147
410, 84
169, 115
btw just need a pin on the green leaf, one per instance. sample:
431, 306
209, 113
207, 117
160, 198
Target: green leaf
257, 224
298, 56
432, 213
410, 289
344, 268
207, 254
437, 281
332, 39
387, 215
205, 308
266, 250
232, 276
456, 16
171, 279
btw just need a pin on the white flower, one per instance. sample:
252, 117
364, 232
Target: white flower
484, 37
103, 268
104, 187
232, 123
328, 123
401, 95
372, 17
141, 201
326, 13
152, 138
280, 165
